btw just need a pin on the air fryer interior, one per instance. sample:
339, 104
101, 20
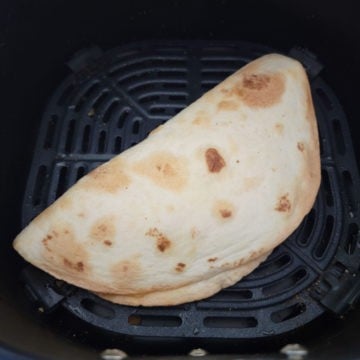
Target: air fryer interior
37, 39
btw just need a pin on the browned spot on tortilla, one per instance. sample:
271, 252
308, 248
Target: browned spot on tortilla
214, 160
283, 204
180, 267
273, 169
256, 81
162, 242
252, 182
261, 90
212, 259
240, 261
201, 120
227, 105
279, 128
45, 241
164, 169
78, 266
61, 242
103, 229
81, 215
109, 177
223, 209
225, 213
300, 146
107, 242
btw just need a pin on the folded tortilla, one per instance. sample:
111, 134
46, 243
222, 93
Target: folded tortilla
198, 204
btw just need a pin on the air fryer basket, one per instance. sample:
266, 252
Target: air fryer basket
109, 101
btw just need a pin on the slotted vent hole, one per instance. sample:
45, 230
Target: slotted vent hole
230, 322
39, 185
117, 145
98, 309
327, 188
352, 239
176, 73
70, 136
136, 127
62, 179
102, 142
232, 295
325, 238
350, 191
85, 143
324, 98
155, 110
217, 73
178, 97
321, 144
307, 228
286, 283
272, 266
80, 172
50, 132
174, 85
154, 321
339, 137
288, 313
322, 140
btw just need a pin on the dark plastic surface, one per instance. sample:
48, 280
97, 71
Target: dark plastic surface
112, 102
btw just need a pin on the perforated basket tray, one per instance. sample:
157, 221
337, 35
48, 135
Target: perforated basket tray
112, 101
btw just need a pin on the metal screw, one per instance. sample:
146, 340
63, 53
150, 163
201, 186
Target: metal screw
113, 354
197, 352
294, 351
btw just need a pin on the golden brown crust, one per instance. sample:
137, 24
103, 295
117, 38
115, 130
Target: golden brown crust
109, 177
261, 90
228, 105
164, 170
189, 292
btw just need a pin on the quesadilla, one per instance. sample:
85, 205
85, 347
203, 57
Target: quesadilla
198, 204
